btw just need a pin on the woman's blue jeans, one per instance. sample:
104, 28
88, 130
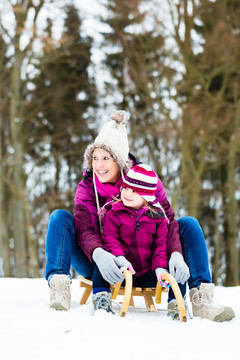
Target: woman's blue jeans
62, 251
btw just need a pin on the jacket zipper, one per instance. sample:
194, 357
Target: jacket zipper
138, 227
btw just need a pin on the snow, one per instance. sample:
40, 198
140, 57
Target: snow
29, 329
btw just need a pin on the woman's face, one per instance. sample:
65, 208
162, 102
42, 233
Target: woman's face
105, 167
131, 199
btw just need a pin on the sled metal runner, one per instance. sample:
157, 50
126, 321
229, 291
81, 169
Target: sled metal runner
128, 292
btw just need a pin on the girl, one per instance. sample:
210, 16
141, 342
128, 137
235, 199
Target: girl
136, 233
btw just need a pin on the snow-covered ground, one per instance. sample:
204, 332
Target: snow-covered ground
30, 330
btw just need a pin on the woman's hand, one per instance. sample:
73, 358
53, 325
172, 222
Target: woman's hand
178, 268
108, 266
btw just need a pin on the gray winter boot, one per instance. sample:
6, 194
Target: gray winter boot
204, 307
60, 295
173, 309
102, 300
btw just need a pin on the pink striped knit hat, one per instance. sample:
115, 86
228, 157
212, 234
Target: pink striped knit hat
142, 179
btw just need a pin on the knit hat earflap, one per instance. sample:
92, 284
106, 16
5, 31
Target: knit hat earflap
113, 139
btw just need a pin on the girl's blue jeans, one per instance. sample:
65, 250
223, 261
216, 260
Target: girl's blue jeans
62, 250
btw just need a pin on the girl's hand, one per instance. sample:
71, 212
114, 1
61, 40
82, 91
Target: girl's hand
125, 264
159, 272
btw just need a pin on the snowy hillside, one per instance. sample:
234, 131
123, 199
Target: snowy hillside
30, 330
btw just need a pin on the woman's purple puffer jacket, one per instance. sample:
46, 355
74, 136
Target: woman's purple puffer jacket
87, 224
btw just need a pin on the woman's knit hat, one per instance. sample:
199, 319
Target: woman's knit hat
113, 139
142, 179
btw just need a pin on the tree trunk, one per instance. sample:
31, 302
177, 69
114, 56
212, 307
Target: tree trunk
192, 169
4, 238
32, 244
18, 176
217, 249
5, 269
232, 253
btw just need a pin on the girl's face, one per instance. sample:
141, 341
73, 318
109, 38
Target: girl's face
131, 199
105, 167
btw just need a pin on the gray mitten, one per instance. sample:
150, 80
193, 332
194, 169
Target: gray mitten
178, 268
159, 272
108, 266
124, 263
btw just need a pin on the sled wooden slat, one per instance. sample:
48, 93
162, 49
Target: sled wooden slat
116, 291
158, 293
87, 285
148, 297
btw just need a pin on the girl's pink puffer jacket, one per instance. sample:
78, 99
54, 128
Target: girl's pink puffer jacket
143, 242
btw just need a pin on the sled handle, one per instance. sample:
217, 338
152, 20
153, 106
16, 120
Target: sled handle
127, 292
181, 307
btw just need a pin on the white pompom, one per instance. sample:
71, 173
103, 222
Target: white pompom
120, 116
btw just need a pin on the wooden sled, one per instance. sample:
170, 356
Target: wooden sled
128, 291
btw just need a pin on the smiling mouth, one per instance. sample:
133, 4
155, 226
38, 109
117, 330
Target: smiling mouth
102, 172
127, 199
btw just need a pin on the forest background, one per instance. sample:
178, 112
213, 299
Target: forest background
66, 65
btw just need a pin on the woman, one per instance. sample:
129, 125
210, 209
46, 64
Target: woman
76, 241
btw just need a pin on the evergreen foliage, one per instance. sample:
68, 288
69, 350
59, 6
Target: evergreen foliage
46, 121
137, 61
180, 81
